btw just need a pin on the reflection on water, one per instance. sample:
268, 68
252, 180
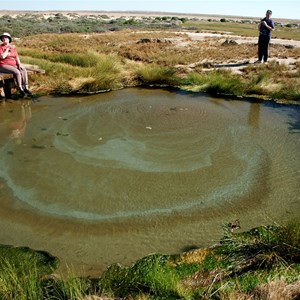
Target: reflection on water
113, 177
253, 116
18, 127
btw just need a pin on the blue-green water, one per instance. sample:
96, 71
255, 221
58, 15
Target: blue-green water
112, 177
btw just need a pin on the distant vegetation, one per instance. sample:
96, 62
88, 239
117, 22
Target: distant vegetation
257, 264
30, 24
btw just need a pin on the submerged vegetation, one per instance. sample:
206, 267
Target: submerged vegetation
93, 53
257, 264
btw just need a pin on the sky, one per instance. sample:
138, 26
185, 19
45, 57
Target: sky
287, 9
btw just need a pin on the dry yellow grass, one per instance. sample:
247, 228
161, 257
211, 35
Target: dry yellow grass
69, 58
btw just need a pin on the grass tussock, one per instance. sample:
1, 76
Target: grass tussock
157, 75
216, 82
21, 271
20, 282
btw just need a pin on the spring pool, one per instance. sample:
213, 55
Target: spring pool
113, 177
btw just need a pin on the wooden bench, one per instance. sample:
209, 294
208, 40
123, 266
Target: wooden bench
7, 81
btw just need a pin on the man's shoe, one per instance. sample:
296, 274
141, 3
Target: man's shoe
258, 62
27, 92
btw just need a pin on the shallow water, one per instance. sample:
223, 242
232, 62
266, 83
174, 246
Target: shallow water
113, 177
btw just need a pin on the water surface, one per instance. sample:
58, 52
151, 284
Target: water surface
112, 177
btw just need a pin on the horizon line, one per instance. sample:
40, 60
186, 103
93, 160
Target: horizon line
132, 11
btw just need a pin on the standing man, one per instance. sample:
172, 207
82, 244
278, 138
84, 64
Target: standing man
265, 28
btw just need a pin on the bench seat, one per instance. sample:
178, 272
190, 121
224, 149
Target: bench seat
7, 80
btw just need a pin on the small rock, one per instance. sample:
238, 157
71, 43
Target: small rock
229, 42
144, 40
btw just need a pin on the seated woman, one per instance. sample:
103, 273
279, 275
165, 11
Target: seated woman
10, 63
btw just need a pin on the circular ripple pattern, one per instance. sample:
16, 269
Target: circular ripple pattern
135, 157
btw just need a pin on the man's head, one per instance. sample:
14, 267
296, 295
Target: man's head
269, 12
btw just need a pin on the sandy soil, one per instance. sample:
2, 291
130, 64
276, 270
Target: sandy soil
239, 39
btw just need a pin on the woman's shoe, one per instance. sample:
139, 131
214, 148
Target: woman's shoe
22, 94
27, 92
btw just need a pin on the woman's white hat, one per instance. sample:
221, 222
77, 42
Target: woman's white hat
7, 35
